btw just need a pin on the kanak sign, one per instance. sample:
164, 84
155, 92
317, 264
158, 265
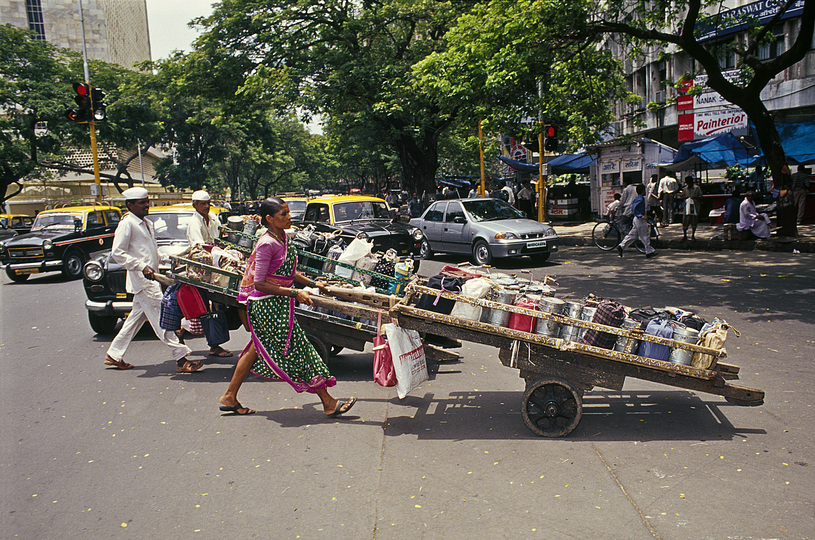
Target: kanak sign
706, 124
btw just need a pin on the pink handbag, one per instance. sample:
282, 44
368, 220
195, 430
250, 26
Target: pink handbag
384, 372
190, 301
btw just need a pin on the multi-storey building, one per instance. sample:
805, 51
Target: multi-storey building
116, 31
790, 96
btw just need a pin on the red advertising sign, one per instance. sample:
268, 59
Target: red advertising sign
686, 127
683, 103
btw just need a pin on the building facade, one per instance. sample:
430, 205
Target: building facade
667, 116
116, 31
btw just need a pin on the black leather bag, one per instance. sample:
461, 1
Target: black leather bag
216, 327
437, 303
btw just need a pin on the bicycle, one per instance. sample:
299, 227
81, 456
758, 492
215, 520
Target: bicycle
607, 235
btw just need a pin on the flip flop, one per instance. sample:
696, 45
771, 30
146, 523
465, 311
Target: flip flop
118, 364
221, 352
236, 410
189, 367
340, 404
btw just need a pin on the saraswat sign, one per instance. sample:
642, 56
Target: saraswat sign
701, 125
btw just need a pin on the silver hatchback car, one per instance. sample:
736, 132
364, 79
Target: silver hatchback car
485, 229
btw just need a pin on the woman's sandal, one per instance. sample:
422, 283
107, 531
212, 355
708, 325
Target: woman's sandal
189, 367
236, 410
340, 404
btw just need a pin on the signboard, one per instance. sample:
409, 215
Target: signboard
607, 167
684, 103
706, 124
735, 20
634, 164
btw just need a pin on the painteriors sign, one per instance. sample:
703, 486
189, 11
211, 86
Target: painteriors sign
706, 124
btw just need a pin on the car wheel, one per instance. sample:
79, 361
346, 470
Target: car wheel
541, 257
102, 324
17, 278
482, 253
72, 265
424, 251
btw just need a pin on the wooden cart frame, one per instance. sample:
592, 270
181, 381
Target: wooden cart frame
558, 372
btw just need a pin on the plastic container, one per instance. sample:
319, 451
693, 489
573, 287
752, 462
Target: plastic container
545, 327
686, 335
518, 321
572, 310
401, 272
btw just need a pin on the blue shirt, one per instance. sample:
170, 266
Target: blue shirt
638, 206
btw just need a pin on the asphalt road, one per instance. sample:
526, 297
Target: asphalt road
89, 452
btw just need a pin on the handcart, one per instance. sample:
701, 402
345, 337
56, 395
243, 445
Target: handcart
558, 372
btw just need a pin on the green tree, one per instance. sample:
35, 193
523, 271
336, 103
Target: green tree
34, 84
350, 62
512, 62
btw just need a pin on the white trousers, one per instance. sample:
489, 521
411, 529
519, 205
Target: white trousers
146, 305
640, 231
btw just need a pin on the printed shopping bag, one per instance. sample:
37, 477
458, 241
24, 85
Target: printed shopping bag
409, 360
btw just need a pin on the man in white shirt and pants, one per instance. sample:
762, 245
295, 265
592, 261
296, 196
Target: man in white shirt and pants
135, 248
203, 229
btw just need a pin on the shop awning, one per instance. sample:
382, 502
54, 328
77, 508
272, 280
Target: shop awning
563, 164
798, 140
717, 152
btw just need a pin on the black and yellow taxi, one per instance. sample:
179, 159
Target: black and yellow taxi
361, 216
60, 240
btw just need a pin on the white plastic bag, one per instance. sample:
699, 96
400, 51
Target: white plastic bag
409, 360
356, 250
368, 262
474, 288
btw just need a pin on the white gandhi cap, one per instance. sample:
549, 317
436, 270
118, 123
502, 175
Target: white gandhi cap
200, 195
135, 194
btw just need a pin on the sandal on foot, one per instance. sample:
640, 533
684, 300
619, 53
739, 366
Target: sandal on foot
118, 364
188, 367
236, 410
220, 352
343, 407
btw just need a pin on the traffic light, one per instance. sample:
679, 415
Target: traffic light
550, 138
83, 100
99, 105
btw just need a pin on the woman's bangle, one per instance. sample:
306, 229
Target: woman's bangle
293, 293
312, 283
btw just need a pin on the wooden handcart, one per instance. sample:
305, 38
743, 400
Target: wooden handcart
558, 372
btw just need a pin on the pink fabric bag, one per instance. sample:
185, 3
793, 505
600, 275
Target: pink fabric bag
384, 372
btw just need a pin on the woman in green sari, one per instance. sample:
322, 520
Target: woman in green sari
279, 348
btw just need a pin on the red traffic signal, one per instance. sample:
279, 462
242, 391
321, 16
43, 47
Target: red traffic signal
550, 138
83, 100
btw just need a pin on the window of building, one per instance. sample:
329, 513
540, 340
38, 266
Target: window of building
33, 9
775, 47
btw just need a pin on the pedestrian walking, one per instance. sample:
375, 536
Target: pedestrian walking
203, 229
667, 188
640, 228
135, 248
800, 188
693, 205
279, 348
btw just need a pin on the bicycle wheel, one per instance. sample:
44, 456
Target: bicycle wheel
606, 235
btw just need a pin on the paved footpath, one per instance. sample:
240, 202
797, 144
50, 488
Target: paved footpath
709, 238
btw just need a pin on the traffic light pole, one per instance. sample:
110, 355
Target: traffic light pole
542, 179
482, 190
91, 123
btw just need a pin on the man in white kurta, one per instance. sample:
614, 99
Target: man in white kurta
750, 219
203, 229
135, 248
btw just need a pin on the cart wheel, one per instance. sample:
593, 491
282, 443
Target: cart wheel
552, 407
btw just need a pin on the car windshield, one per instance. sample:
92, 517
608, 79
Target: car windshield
297, 208
170, 226
62, 220
491, 210
349, 211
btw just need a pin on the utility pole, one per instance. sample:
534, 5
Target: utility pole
482, 190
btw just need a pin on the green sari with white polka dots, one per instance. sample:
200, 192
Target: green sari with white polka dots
283, 350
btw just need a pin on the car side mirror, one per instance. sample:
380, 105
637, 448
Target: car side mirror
77, 224
459, 220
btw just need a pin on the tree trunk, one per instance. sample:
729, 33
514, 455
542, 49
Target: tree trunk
770, 143
419, 163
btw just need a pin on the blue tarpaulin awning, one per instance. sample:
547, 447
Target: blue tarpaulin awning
563, 164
